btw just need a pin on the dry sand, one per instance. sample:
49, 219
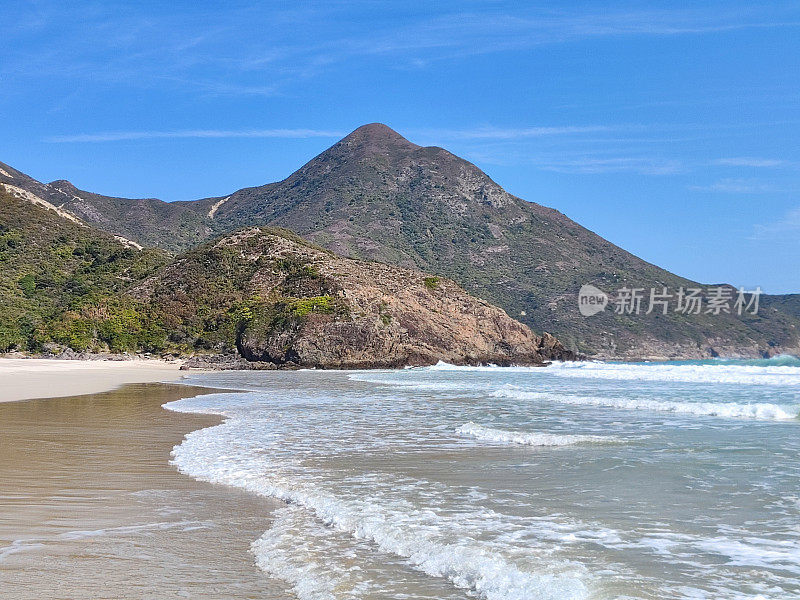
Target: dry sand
23, 379
90, 507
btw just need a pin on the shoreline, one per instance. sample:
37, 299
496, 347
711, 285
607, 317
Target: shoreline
42, 378
92, 506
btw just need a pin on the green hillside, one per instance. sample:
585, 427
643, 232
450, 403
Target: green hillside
61, 283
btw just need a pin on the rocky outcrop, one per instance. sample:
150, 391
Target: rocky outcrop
300, 305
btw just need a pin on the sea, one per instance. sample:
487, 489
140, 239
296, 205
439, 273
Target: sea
574, 481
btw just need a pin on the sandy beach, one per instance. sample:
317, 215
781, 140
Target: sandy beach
23, 379
91, 508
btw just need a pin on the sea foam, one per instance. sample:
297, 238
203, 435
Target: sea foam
779, 371
381, 493
757, 410
416, 535
491, 434
776, 373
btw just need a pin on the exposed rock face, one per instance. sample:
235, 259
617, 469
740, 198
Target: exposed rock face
302, 305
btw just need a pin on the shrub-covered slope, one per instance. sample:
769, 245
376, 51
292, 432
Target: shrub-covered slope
281, 300
62, 283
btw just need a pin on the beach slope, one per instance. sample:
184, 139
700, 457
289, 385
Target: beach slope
28, 378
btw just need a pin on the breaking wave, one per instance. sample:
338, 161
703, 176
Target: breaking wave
780, 360
765, 373
491, 434
756, 410
416, 535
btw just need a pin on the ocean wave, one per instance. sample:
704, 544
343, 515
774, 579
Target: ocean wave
491, 434
444, 366
755, 552
415, 535
391, 380
783, 370
779, 360
777, 374
322, 564
290, 551
739, 548
757, 410
384, 502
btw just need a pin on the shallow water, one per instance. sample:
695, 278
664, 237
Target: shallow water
91, 509
576, 481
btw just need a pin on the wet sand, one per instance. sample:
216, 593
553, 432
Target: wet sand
90, 507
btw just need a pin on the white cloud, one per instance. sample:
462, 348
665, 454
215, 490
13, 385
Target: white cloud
788, 225
115, 136
499, 133
480, 133
736, 186
644, 166
745, 161
225, 52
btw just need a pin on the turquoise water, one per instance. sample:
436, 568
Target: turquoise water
575, 481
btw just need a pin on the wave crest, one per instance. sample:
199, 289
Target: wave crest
766, 373
490, 434
757, 410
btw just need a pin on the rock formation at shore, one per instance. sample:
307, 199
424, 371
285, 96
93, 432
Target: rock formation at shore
283, 301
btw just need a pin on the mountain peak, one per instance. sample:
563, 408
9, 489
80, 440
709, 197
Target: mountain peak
377, 136
63, 185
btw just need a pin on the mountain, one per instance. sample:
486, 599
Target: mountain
173, 226
265, 293
374, 195
280, 300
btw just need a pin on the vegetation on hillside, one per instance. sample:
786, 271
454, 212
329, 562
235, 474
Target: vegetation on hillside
211, 296
62, 284
376, 196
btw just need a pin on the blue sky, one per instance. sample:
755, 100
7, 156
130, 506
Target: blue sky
672, 129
